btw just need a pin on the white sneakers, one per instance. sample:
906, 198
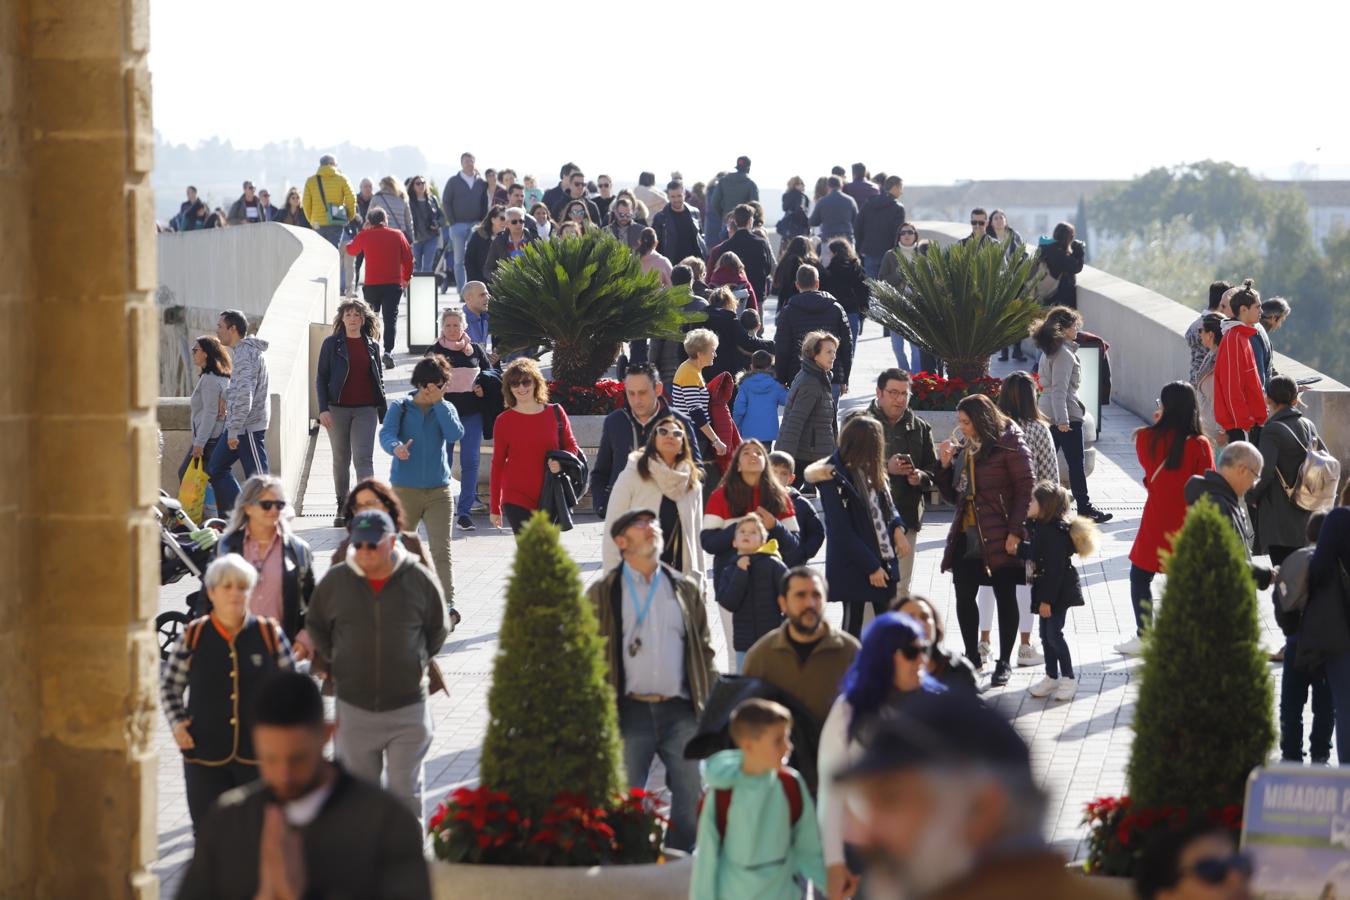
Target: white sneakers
1043, 688
1028, 656
1062, 688
1133, 647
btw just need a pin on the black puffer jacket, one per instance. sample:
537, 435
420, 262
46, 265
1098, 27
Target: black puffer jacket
751, 596
846, 281
807, 312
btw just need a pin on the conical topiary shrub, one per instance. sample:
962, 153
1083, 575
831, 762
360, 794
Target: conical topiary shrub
582, 297
552, 720
1204, 719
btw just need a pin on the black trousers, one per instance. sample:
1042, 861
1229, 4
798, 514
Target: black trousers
205, 784
967, 576
856, 610
384, 299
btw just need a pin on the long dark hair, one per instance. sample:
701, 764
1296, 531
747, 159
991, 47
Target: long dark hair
1048, 333
1179, 422
741, 497
862, 448
1017, 399
217, 356
985, 416
484, 228
686, 454
799, 250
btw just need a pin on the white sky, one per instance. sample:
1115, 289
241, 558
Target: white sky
932, 91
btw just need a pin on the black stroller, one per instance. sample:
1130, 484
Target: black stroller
184, 549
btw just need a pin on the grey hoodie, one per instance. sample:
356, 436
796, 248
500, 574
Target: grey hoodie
379, 644
246, 405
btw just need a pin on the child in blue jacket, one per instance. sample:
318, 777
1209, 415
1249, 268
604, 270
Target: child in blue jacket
758, 400
757, 832
748, 588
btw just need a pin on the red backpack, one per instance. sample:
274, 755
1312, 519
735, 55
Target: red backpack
722, 798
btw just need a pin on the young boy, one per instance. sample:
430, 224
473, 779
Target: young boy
1290, 597
811, 534
757, 833
758, 400
748, 588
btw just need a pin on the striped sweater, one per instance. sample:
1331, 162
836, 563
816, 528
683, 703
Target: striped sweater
689, 394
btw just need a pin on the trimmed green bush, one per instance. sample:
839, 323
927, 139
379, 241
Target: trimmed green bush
1204, 718
582, 297
552, 718
963, 303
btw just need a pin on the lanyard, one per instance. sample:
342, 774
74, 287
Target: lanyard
646, 607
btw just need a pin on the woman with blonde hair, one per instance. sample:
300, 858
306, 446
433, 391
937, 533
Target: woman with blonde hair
522, 438
467, 362
350, 387
391, 198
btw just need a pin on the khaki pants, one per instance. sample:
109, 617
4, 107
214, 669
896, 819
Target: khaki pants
434, 506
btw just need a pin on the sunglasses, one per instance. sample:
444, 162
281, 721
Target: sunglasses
1214, 870
910, 233
515, 221
670, 431
366, 545
270, 505
978, 222
914, 651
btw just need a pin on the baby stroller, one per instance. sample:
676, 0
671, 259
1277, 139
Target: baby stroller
184, 549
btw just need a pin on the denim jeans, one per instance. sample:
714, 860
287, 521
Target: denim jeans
251, 453
872, 265
1294, 690
470, 447
424, 254
1338, 679
459, 239
1057, 660
662, 729
854, 327
1071, 442
1141, 597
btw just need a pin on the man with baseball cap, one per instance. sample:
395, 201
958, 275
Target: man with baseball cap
660, 656
379, 618
950, 809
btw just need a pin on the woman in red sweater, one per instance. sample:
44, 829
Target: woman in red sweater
1170, 451
523, 434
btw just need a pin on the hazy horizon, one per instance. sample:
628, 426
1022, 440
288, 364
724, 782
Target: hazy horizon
1161, 85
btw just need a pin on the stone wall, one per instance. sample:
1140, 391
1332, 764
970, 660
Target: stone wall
77, 446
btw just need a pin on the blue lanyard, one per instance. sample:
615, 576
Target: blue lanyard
646, 607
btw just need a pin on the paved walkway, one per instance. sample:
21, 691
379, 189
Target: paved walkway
1079, 748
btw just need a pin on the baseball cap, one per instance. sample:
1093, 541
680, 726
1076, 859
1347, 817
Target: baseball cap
930, 729
622, 522
371, 525
742, 162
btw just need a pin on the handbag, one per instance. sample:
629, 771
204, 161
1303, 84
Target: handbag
337, 212
1314, 487
192, 490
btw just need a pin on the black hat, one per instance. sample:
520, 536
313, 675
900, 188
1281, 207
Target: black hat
743, 163
622, 522
371, 525
935, 729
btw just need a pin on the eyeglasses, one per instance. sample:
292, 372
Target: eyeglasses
914, 651
908, 232
670, 431
978, 222
515, 221
1214, 870
366, 545
605, 184
269, 505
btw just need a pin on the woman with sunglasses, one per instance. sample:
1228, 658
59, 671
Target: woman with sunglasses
663, 476
480, 241
1194, 862
427, 219
522, 437
212, 359
952, 669
259, 530
891, 666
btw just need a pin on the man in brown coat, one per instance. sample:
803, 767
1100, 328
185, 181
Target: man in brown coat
804, 656
951, 811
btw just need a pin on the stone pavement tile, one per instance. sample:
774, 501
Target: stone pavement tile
1079, 749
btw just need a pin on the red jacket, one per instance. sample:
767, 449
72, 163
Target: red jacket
1165, 509
388, 257
1239, 398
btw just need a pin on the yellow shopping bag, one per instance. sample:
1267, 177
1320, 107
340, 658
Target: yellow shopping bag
192, 492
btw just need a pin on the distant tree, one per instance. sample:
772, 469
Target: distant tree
1213, 196
1172, 259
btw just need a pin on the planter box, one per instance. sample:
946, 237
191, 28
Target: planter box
1110, 884
662, 881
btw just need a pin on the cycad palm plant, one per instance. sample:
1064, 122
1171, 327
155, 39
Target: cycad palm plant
962, 303
581, 298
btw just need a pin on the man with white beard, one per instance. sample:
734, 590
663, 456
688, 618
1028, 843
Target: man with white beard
951, 811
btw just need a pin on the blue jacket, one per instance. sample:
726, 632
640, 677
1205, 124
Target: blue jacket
620, 436
332, 372
851, 553
757, 402
427, 465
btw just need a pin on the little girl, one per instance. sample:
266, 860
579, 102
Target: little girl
1052, 540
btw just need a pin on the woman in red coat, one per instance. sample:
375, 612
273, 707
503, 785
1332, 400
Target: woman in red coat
1170, 451
521, 439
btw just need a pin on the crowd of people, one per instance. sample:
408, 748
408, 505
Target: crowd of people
722, 475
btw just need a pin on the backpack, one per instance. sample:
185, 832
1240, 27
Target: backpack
791, 787
1045, 284
1314, 487
1291, 583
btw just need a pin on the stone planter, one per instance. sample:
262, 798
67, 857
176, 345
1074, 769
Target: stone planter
1111, 885
660, 881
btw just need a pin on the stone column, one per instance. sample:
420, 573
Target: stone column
78, 472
